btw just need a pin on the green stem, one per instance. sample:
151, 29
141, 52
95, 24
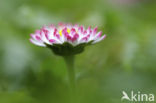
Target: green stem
71, 72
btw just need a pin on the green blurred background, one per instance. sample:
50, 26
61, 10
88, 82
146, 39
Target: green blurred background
125, 60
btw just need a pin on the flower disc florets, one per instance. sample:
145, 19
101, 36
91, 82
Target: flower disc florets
66, 39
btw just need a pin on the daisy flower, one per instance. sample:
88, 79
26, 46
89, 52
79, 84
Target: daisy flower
66, 39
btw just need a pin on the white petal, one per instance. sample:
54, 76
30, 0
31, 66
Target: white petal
99, 39
44, 39
37, 43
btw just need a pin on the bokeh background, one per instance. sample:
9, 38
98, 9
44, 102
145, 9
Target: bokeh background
125, 60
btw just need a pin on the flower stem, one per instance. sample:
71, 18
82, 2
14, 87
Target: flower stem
71, 73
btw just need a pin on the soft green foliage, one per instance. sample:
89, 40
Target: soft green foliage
125, 60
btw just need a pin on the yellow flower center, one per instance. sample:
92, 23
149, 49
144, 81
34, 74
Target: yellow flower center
68, 30
60, 32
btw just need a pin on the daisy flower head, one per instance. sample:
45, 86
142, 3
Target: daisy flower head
66, 39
